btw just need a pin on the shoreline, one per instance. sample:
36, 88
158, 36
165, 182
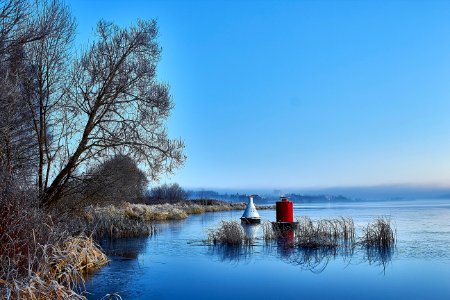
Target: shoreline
59, 263
131, 220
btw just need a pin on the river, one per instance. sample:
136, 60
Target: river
177, 264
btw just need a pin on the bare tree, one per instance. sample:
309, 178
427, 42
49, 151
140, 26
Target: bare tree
81, 111
33, 40
17, 155
115, 104
17, 26
17, 144
47, 58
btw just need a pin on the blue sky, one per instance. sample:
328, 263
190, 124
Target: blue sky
301, 94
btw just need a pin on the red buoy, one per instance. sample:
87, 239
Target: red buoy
285, 210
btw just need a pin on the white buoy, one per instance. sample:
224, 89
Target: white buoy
251, 215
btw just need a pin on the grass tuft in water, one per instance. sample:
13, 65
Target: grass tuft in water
269, 234
324, 233
329, 233
379, 234
228, 233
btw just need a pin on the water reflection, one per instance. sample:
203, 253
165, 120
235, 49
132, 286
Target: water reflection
124, 254
283, 247
171, 266
379, 256
311, 259
251, 230
125, 248
314, 259
232, 254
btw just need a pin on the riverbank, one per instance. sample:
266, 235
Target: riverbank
48, 261
178, 254
51, 268
131, 220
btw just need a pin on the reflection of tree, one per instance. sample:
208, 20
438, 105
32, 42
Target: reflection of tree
124, 248
119, 276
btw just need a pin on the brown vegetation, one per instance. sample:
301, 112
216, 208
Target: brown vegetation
60, 115
111, 221
41, 262
55, 270
228, 233
324, 233
327, 233
379, 234
211, 205
330, 233
130, 219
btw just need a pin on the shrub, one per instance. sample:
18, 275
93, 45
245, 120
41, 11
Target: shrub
116, 180
166, 194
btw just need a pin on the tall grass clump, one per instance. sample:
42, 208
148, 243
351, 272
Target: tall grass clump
379, 234
38, 258
325, 233
228, 233
272, 233
111, 221
269, 234
194, 209
148, 213
55, 270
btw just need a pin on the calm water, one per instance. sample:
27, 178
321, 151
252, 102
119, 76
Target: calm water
175, 264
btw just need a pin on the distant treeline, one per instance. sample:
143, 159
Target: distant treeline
209, 194
317, 198
216, 195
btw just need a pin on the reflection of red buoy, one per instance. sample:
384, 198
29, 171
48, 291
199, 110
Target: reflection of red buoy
285, 215
285, 241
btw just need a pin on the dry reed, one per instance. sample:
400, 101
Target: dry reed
379, 234
209, 205
113, 221
269, 234
228, 233
325, 233
54, 271
148, 213
129, 220
329, 233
